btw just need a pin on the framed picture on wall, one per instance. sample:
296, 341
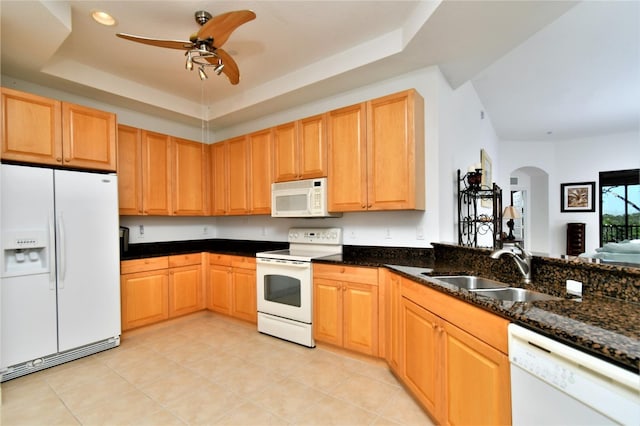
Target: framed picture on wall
486, 183
577, 197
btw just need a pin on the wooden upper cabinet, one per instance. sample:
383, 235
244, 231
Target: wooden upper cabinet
189, 179
312, 144
261, 171
237, 173
346, 131
88, 137
300, 149
22, 140
376, 154
39, 130
285, 156
129, 170
156, 173
230, 185
218, 178
395, 152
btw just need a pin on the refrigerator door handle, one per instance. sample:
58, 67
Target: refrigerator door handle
62, 265
52, 251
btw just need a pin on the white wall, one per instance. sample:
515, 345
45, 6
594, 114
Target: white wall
576, 160
454, 135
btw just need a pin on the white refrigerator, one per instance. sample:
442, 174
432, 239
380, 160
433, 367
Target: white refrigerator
60, 276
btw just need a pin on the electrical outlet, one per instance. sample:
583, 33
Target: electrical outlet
205, 230
574, 287
419, 233
387, 233
263, 231
141, 232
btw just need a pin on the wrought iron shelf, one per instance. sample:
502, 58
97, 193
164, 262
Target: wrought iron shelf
474, 221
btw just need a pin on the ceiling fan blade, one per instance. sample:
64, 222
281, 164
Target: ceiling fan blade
170, 44
230, 67
221, 26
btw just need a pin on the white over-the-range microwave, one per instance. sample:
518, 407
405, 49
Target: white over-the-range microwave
300, 198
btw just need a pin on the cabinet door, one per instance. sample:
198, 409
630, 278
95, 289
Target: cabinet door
219, 289
360, 313
347, 159
189, 178
327, 311
312, 143
24, 141
129, 170
477, 381
285, 158
156, 173
218, 182
237, 190
420, 345
185, 290
395, 143
261, 171
393, 322
244, 295
88, 137
145, 298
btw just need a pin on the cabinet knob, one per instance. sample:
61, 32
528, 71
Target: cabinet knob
66, 160
59, 159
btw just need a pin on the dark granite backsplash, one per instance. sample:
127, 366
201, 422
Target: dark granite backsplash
376, 255
237, 247
549, 275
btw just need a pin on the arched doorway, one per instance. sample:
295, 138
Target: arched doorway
529, 187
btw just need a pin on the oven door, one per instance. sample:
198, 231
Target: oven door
284, 288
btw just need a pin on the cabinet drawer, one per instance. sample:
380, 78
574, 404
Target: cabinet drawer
352, 274
243, 262
219, 259
141, 265
185, 259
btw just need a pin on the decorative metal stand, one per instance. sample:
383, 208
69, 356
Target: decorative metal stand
471, 222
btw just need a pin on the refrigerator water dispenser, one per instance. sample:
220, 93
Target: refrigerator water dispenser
24, 253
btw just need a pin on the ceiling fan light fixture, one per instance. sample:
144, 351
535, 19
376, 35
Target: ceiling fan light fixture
189, 64
218, 69
203, 76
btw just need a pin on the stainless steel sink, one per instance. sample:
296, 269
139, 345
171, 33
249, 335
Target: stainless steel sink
470, 282
515, 294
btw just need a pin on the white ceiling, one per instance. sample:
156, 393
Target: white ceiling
538, 66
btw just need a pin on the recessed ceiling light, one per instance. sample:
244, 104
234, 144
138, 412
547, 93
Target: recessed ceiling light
103, 18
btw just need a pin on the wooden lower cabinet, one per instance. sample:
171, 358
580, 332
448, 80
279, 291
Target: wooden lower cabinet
419, 341
345, 308
185, 284
458, 377
144, 292
477, 388
231, 287
155, 289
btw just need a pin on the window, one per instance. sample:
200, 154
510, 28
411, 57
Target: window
619, 205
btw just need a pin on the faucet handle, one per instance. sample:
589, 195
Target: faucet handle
524, 252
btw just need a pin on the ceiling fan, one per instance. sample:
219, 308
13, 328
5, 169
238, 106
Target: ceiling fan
204, 47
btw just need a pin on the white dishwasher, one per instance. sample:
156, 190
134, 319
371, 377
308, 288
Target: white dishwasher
554, 384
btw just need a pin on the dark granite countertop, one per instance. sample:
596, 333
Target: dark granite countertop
604, 327
223, 246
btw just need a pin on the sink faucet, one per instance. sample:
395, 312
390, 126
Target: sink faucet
522, 259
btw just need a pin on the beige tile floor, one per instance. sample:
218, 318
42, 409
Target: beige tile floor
208, 369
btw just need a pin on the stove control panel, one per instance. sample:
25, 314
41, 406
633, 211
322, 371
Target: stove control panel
315, 235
